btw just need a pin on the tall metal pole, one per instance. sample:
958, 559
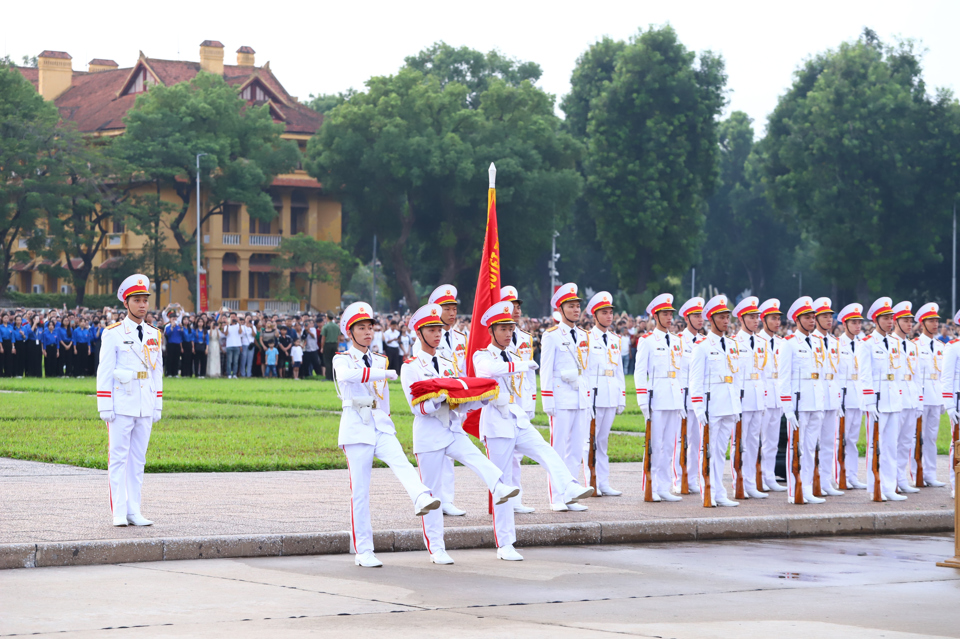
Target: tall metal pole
953, 295
693, 280
197, 304
373, 302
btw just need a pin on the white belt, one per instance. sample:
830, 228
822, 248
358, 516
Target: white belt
360, 402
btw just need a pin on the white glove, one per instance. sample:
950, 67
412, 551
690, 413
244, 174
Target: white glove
391, 374
156, 416
792, 421
531, 414
840, 412
683, 413
701, 416
550, 412
620, 409
569, 375
954, 416
532, 365
108, 416
593, 412
646, 412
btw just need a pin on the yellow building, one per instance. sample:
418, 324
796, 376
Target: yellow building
236, 249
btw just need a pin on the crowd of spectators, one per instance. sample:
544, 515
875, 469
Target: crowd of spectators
233, 344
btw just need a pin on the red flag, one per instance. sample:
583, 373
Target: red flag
488, 293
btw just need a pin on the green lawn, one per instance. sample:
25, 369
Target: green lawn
224, 425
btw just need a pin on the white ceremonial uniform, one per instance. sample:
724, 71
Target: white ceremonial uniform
688, 342
951, 392
833, 397
754, 357
130, 385
770, 429
885, 405
855, 377
910, 386
565, 352
506, 429
798, 371
715, 385
604, 375
657, 377
438, 435
366, 431
453, 347
931, 355
521, 345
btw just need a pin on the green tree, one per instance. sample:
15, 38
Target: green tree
866, 160
31, 166
749, 244
316, 261
324, 102
651, 158
170, 125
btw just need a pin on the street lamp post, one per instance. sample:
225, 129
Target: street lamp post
197, 305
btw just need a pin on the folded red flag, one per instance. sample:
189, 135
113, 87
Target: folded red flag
457, 390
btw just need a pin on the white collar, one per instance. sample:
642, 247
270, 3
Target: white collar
356, 353
746, 334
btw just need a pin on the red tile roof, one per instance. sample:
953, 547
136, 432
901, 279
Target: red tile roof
103, 62
63, 55
245, 50
212, 43
32, 74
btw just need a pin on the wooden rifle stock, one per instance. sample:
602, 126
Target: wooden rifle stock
647, 449
817, 492
592, 453
795, 466
738, 459
705, 458
842, 448
759, 471
875, 461
684, 481
918, 452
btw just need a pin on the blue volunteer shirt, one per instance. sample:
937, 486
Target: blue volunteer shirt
50, 338
81, 335
200, 336
6, 332
173, 333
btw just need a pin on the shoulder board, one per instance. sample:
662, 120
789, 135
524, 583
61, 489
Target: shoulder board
408, 360
151, 326
459, 332
379, 355
552, 328
442, 358
916, 339
954, 340
791, 336
523, 332
114, 325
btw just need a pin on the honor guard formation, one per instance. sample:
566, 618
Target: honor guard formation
703, 391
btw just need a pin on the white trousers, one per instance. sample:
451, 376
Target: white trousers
828, 445
692, 452
129, 437
770, 444
501, 451
359, 463
663, 449
853, 418
447, 490
568, 433
513, 478
906, 438
720, 428
750, 427
811, 421
604, 424
889, 432
431, 466
931, 428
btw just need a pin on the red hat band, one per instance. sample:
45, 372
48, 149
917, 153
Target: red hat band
748, 310
357, 318
138, 289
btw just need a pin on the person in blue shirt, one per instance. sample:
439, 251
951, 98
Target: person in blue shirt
6, 346
186, 358
81, 349
201, 338
50, 340
174, 338
19, 341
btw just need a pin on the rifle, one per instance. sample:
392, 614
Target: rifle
875, 461
684, 481
817, 492
647, 475
705, 458
918, 451
592, 451
795, 466
759, 467
842, 450
738, 455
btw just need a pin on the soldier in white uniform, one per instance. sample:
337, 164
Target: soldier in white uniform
437, 429
521, 345
715, 392
506, 429
951, 394
366, 430
911, 388
564, 356
802, 396
453, 346
931, 368
770, 429
692, 313
660, 394
855, 377
885, 401
608, 388
130, 397
754, 357
833, 394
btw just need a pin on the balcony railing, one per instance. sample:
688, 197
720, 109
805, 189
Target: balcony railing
233, 305
277, 306
231, 238
264, 240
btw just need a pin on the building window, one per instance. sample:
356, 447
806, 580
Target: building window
142, 81
231, 218
260, 285
298, 213
255, 93
259, 227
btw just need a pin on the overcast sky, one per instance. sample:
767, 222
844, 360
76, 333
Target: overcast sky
327, 47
